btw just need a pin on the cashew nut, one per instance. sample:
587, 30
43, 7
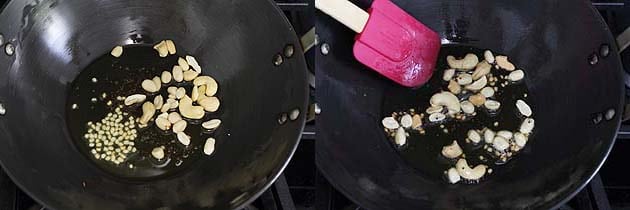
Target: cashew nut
192, 112
170, 46
434, 109
477, 99
448, 74
468, 173
390, 123
487, 92
163, 115
117, 51
454, 87
190, 75
180, 93
158, 82
165, 107
182, 63
158, 102
464, 79
135, 98
174, 117
172, 103
523, 108
499, 143
178, 73
516, 76
149, 86
467, 63
179, 126
211, 89
187, 110
467, 107
202, 91
477, 85
202, 80
171, 90
208, 147
183, 138
166, 77
453, 175
488, 56
162, 123
212, 124
194, 95
401, 137
148, 110
452, 151
406, 121
193, 63
158, 153
520, 139
436, 117
474, 136
482, 69
210, 104
503, 62
505, 134
446, 99
492, 105
488, 136
416, 121
211, 85
161, 48
527, 126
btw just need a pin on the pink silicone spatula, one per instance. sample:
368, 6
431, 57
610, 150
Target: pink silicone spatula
389, 40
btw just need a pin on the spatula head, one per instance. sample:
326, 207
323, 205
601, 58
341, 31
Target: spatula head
397, 45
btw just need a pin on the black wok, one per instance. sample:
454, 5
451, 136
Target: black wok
235, 41
552, 41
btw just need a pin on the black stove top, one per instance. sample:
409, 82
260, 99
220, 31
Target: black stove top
302, 187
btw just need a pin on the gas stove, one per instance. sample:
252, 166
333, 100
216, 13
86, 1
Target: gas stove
294, 189
302, 187
609, 189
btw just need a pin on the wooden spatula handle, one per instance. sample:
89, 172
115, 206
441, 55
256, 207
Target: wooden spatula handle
345, 12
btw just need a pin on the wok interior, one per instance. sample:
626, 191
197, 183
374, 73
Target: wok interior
58, 39
547, 39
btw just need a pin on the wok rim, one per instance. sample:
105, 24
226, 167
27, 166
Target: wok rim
552, 204
278, 171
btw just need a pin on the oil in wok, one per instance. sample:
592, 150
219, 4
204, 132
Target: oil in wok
423, 147
99, 91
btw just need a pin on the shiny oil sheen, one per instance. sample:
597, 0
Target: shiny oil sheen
122, 77
423, 151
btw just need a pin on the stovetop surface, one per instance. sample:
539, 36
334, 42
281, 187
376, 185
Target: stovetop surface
302, 187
